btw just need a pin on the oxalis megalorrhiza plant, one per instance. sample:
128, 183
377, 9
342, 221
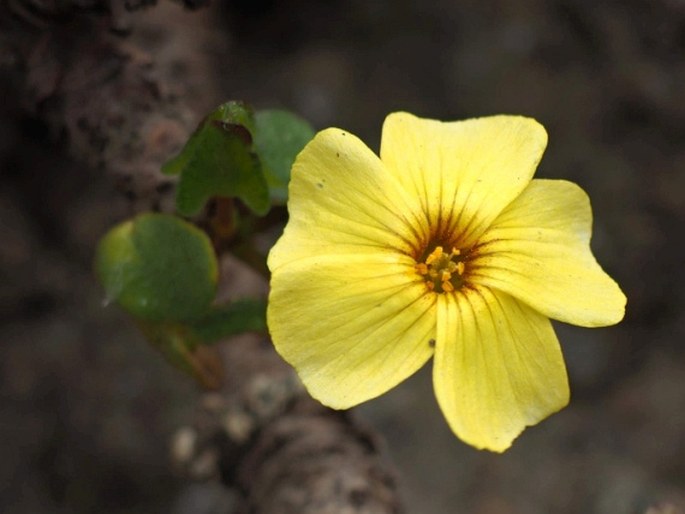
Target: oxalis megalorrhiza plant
443, 246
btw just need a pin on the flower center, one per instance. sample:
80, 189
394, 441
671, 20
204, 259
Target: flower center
442, 271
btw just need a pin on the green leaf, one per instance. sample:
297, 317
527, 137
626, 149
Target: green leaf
223, 165
236, 113
279, 137
231, 112
159, 268
227, 320
219, 160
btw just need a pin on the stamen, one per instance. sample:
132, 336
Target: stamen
442, 271
435, 255
421, 268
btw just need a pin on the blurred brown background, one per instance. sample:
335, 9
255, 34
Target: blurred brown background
87, 409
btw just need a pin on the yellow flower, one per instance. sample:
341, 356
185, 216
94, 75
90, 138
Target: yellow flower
443, 246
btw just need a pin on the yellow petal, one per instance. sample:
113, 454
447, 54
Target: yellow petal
463, 172
342, 200
353, 326
538, 250
498, 367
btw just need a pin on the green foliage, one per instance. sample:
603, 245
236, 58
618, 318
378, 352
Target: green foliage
219, 160
227, 320
164, 270
279, 137
159, 268
234, 153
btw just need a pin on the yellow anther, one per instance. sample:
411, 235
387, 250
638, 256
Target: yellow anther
442, 271
435, 255
421, 268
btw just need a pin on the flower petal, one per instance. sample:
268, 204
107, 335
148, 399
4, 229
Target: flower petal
342, 200
538, 250
353, 326
463, 172
498, 367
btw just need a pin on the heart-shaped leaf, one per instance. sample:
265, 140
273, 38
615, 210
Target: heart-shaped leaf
279, 137
219, 160
159, 268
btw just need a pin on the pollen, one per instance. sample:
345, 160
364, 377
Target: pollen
443, 272
434, 255
422, 269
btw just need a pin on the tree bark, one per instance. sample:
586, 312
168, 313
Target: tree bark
117, 111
